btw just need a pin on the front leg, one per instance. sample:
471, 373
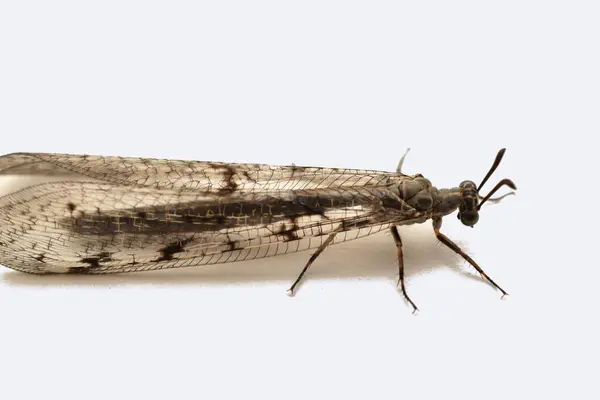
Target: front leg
398, 241
437, 224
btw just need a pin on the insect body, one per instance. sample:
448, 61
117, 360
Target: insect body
99, 214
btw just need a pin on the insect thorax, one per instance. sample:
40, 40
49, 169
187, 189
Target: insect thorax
420, 194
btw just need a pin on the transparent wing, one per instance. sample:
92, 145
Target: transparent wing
102, 228
214, 177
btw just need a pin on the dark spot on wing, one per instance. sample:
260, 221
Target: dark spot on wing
40, 258
247, 175
71, 207
98, 258
231, 245
228, 174
78, 270
92, 262
171, 249
290, 232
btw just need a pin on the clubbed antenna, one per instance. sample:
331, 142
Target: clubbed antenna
491, 171
503, 182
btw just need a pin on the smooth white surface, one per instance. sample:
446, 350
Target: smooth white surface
328, 83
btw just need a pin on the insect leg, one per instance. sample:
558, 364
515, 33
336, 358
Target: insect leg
398, 241
437, 224
312, 259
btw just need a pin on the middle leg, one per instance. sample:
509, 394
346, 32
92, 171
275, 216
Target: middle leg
398, 241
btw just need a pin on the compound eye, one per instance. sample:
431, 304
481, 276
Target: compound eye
469, 218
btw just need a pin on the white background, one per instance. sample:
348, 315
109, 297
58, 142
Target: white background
326, 83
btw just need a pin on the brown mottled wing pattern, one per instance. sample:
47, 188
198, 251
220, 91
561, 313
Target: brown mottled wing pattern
133, 214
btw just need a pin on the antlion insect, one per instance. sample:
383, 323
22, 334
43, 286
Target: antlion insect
98, 215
